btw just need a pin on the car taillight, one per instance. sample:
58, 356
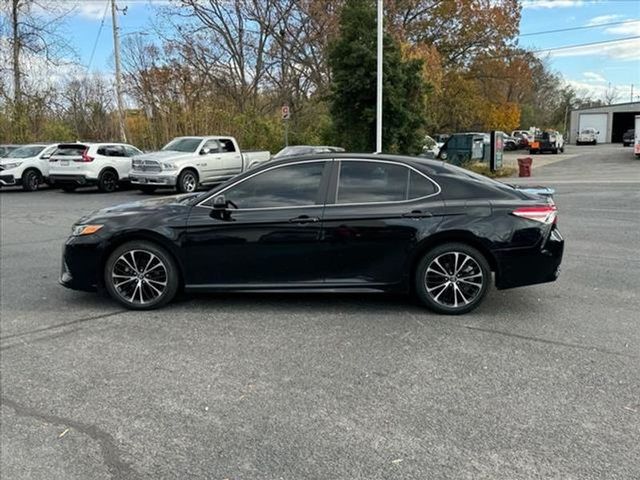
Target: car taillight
85, 157
546, 214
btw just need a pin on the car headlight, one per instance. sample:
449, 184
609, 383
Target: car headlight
7, 166
85, 230
168, 166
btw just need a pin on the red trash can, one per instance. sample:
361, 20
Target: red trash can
524, 166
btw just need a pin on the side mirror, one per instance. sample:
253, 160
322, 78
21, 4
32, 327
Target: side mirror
598, 132
46, 156
204, 151
219, 203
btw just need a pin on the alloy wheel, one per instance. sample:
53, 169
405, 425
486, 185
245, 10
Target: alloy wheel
139, 276
189, 182
109, 182
454, 279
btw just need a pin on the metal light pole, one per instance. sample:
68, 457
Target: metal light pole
116, 48
379, 80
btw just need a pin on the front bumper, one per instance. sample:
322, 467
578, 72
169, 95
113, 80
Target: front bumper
528, 266
155, 179
7, 180
81, 263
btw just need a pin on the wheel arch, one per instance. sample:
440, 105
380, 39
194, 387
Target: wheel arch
141, 235
452, 236
109, 168
32, 169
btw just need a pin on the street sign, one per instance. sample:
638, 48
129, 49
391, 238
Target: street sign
285, 112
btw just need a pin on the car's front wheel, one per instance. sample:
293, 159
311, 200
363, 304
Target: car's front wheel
187, 181
31, 180
452, 279
141, 275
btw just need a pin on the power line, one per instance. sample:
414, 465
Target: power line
566, 47
95, 44
583, 27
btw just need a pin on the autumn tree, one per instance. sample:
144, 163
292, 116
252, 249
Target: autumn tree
352, 58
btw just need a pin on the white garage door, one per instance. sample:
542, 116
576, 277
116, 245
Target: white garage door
597, 121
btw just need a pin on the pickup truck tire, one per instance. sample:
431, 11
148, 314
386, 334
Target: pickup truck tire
187, 181
148, 189
31, 180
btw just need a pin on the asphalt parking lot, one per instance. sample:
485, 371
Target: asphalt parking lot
539, 382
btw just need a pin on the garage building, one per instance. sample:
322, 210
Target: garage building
610, 120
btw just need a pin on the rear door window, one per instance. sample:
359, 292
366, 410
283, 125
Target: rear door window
226, 145
111, 151
371, 182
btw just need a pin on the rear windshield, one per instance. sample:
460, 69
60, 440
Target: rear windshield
71, 150
185, 145
27, 151
588, 130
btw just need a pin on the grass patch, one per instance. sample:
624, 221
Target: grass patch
483, 169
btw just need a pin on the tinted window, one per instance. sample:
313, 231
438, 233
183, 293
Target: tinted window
293, 185
111, 151
419, 186
131, 151
71, 150
365, 182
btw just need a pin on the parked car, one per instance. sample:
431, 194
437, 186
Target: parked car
185, 163
525, 135
294, 150
5, 150
333, 222
547, 141
628, 137
510, 143
27, 166
430, 147
105, 165
588, 135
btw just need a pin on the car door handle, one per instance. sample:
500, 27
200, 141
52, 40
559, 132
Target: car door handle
417, 214
304, 219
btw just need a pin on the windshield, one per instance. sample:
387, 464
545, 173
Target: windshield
588, 130
185, 145
26, 151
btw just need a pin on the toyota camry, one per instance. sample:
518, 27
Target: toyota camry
326, 222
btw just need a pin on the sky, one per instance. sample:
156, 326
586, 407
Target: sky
589, 69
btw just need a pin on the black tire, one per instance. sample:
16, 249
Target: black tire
533, 152
148, 189
31, 180
442, 289
554, 151
187, 181
155, 271
69, 188
108, 181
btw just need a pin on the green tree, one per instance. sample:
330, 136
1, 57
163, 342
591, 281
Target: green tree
352, 60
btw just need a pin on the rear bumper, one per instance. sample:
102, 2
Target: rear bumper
529, 266
155, 179
71, 179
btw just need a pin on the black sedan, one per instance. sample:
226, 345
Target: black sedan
332, 222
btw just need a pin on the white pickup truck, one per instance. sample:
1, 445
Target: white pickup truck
187, 162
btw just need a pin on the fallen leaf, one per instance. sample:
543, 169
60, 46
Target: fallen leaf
63, 433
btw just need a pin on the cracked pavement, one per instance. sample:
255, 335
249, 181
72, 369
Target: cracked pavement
539, 382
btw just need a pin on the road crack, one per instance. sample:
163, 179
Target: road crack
111, 453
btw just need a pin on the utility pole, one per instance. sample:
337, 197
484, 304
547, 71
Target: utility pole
631, 92
379, 80
116, 48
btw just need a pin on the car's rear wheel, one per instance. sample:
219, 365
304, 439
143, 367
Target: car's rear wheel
108, 181
141, 275
31, 180
187, 181
452, 279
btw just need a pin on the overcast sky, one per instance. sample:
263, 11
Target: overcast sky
588, 68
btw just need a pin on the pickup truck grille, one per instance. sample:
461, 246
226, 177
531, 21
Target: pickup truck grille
146, 166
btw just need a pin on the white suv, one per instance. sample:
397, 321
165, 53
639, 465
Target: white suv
27, 166
106, 165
